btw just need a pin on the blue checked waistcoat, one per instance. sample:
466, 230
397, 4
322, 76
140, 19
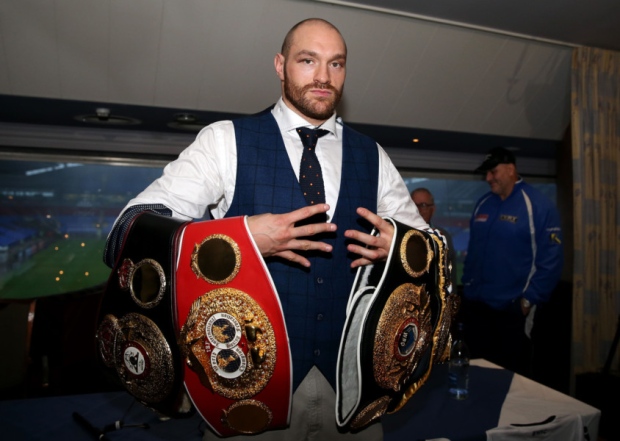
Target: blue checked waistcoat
313, 299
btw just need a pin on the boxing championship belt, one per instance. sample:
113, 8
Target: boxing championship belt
397, 326
136, 336
191, 315
238, 369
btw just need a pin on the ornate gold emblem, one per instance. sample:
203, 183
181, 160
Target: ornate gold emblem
228, 340
374, 410
106, 336
448, 307
416, 254
403, 334
139, 352
247, 416
147, 283
216, 259
442, 337
124, 272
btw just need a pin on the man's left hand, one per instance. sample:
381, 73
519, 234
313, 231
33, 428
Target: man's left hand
377, 247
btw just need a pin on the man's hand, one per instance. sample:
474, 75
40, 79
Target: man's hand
377, 247
277, 235
526, 306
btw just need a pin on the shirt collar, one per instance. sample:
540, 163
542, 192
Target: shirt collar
288, 120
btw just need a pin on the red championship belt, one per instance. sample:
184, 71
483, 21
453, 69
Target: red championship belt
232, 334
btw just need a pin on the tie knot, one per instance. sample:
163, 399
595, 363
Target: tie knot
309, 137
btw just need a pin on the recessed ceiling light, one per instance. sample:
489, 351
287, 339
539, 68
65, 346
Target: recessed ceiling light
103, 115
185, 117
187, 121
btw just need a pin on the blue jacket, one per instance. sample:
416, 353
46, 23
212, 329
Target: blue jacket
515, 248
313, 299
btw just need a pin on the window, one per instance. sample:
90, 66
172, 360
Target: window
455, 197
55, 216
57, 211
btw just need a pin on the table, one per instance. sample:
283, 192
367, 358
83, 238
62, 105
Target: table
430, 414
493, 402
528, 401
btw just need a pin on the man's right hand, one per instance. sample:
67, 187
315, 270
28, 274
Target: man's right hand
277, 235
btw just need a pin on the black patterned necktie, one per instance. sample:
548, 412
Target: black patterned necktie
310, 175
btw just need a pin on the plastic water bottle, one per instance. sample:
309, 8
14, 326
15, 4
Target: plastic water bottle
458, 374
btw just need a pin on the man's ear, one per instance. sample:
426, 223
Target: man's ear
278, 63
513, 168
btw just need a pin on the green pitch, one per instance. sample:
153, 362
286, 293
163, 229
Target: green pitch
64, 266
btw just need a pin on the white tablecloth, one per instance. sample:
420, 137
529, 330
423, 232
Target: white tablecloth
529, 402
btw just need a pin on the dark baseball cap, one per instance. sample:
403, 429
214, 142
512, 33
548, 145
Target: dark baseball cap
497, 155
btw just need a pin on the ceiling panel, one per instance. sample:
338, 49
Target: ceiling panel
406, 72
387, 76
574, 22
4, 66
184, 56
82, 31
28, 31
134, 34
446, 74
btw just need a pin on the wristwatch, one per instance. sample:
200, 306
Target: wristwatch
525, 302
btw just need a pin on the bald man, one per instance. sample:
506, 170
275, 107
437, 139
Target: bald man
514, 261
253, 167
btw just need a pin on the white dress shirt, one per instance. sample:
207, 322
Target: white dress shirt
204, 175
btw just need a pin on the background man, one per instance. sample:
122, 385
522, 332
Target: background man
513, 263
251, 166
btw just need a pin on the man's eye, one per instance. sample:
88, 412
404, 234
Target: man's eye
306, 61
336, 64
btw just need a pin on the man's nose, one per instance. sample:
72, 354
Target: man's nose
322, 74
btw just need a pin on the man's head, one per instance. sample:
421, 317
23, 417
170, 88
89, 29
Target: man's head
311, 68
425, 202
500, 170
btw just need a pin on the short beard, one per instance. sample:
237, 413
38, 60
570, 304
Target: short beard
296, 95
